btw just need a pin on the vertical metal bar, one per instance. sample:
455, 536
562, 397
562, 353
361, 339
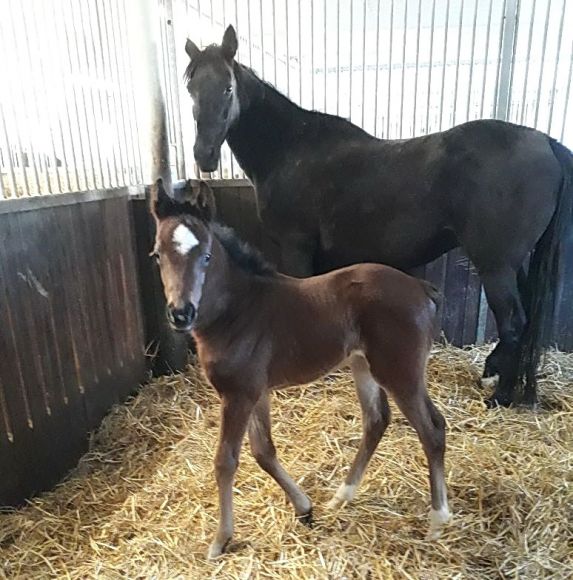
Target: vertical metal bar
123, 87
486, 65
444, 63
8, 152
262, 40
391, 38
337, 57
94, 71
120, 133
199, 27
110, 95
559, 41
567, 93
542, 69
363, 60
312, 51
287, 48
377, 67
430, 66
472, 60
299, 55
325, 55
527, 60
507, 43
55, 59
418, 28
403, 68
350, 65
91, 115
27, 106
13, 114
82, 137
274, 44
249, 31
43, 66
460, 29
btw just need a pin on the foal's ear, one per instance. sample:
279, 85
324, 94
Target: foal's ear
191, 49
162, 205
204, 201
230, 43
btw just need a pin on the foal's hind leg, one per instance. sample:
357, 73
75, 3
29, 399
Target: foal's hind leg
265, 453
431, 429
375, 420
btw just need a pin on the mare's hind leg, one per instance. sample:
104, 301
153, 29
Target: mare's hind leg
503, 297
264, 451
430, 426
375, 420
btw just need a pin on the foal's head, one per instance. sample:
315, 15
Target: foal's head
183, 244
212, 85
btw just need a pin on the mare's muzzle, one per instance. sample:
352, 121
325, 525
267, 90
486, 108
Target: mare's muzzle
181, 319
206, 156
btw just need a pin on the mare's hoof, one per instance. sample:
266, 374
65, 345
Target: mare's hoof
498, 401
306, 518
489, 382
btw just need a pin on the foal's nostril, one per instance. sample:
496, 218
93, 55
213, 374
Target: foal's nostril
181, 317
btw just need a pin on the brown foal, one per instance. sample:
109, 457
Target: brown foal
257, 330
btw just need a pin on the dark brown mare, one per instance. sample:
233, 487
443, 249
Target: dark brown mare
257, 330
333, 195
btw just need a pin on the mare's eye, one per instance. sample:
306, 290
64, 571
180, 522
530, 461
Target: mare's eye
206, 259
228, 90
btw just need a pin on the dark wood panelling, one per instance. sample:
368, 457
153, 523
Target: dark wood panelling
70, 333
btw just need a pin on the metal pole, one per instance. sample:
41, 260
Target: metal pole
418, 28
508, 36
486, 66
391, 36
338, 56
460, 28
403, 68
325, 53
559, 40
567, 93
350, 66
472, 60
542, 69
363, 59
430, 69
377, 67
444, 63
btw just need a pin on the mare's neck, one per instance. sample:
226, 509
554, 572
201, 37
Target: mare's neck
267, 124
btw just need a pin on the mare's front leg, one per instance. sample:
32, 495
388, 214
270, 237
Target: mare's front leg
297, 255
235, 413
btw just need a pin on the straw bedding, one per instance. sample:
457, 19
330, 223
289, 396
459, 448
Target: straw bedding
142, 502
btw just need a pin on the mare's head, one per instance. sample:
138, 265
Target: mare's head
183, 245
212, 85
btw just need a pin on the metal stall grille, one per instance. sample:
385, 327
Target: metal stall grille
67, 105
397, 68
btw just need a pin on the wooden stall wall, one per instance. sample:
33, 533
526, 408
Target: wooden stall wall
453, 273
71, 339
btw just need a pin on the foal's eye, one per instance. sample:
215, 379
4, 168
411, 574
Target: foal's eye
228, 90
206, 259
155, 256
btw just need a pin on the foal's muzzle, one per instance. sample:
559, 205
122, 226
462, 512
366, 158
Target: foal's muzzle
181, 319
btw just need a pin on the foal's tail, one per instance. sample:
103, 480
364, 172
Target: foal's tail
545, 271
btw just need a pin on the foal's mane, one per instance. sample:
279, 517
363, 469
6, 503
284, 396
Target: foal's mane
241, 253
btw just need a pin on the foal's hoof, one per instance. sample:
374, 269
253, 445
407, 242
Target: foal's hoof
306, 518
217, 549
498, 401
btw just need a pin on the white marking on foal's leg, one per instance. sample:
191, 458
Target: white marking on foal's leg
439, 517
184, 239
489, 382
344, 493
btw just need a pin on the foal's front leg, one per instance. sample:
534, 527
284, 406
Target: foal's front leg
263, 449
235, 412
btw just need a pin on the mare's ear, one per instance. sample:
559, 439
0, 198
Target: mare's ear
162, 204
230, 43
191, 49
204, 201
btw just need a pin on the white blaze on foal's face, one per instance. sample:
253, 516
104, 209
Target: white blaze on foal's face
184, 239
